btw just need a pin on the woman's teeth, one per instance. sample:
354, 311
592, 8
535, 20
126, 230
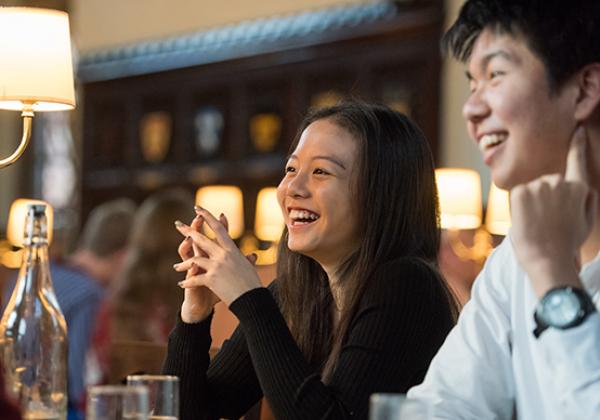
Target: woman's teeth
491, 140
302, 216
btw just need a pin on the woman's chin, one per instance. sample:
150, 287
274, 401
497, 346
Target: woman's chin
300, 249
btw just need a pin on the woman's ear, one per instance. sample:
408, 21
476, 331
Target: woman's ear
588, 81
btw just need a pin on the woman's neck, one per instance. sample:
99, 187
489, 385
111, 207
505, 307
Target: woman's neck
332, 272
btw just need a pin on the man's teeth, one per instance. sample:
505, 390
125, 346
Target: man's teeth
490, 140
303, 216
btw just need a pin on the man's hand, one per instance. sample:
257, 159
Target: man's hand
552, 217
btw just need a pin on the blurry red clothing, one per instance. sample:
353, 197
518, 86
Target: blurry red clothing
153, 327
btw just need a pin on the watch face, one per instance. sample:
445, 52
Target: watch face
560, 308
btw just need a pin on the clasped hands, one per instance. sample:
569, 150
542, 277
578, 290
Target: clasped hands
216, 269
552, 216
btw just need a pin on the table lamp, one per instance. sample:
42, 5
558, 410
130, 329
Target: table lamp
227, 199
36, 70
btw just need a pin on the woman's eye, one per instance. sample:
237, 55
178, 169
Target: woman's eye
289, 169
319, 171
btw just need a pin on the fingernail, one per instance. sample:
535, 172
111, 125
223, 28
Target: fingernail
175, 265
179, 224
221, 216
198, 209
181, 284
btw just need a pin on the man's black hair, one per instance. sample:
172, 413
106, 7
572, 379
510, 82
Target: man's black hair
564, 34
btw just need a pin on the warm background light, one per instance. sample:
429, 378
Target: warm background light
459, 193
225, 199
35, 59
268, 225
497, 216
16, 220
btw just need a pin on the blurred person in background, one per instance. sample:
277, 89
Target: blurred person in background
142, 302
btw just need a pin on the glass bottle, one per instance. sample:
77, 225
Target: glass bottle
33, 332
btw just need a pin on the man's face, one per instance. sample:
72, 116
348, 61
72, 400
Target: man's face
522, 129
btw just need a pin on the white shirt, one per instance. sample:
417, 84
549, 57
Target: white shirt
492, 367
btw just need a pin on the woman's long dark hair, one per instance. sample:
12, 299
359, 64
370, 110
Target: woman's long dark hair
397, 207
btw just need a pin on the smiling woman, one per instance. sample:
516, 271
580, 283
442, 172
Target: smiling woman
358, 305
316, 195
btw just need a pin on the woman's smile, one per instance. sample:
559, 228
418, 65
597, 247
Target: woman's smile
316, 194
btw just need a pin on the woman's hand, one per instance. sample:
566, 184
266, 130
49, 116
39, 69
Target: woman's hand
198, 302
224, 269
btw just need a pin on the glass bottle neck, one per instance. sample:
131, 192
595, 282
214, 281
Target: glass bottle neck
34, 276
35, 263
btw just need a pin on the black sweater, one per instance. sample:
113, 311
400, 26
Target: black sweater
401, 322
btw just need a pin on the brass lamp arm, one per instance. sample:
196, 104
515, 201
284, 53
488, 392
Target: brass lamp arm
27, 115
478, 252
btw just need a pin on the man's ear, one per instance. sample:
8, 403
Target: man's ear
588, 82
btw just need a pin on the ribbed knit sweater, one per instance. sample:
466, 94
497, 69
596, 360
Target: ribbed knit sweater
402, 320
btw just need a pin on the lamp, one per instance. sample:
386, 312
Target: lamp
459, 192
226, 199
15, 230
268, 221
36, 71
497, 216
268, 224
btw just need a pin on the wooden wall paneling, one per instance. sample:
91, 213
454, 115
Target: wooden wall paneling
369, 52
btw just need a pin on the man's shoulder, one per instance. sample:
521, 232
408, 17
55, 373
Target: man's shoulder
71, 280
501, 278
502, 263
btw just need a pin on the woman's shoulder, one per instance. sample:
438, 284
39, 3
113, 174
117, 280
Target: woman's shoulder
405, 275
404, 267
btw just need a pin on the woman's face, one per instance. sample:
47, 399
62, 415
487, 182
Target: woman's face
316, 194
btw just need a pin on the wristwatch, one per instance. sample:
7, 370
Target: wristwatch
562, 307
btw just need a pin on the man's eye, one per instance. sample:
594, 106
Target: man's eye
494, 74
319, 171
289, 169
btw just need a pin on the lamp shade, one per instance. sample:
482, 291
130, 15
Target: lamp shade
497, 216
35, 60
268, 224
226, 199
459, 192
16, 220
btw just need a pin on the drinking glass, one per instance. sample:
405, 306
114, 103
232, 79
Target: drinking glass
397, 407
117, 402
163, 395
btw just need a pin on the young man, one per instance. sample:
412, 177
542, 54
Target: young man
527, 345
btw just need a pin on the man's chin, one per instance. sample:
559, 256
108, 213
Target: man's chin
504, 181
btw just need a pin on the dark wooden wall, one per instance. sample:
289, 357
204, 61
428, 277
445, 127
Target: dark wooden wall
394, 60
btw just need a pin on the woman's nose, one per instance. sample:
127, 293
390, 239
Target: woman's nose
298, 185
